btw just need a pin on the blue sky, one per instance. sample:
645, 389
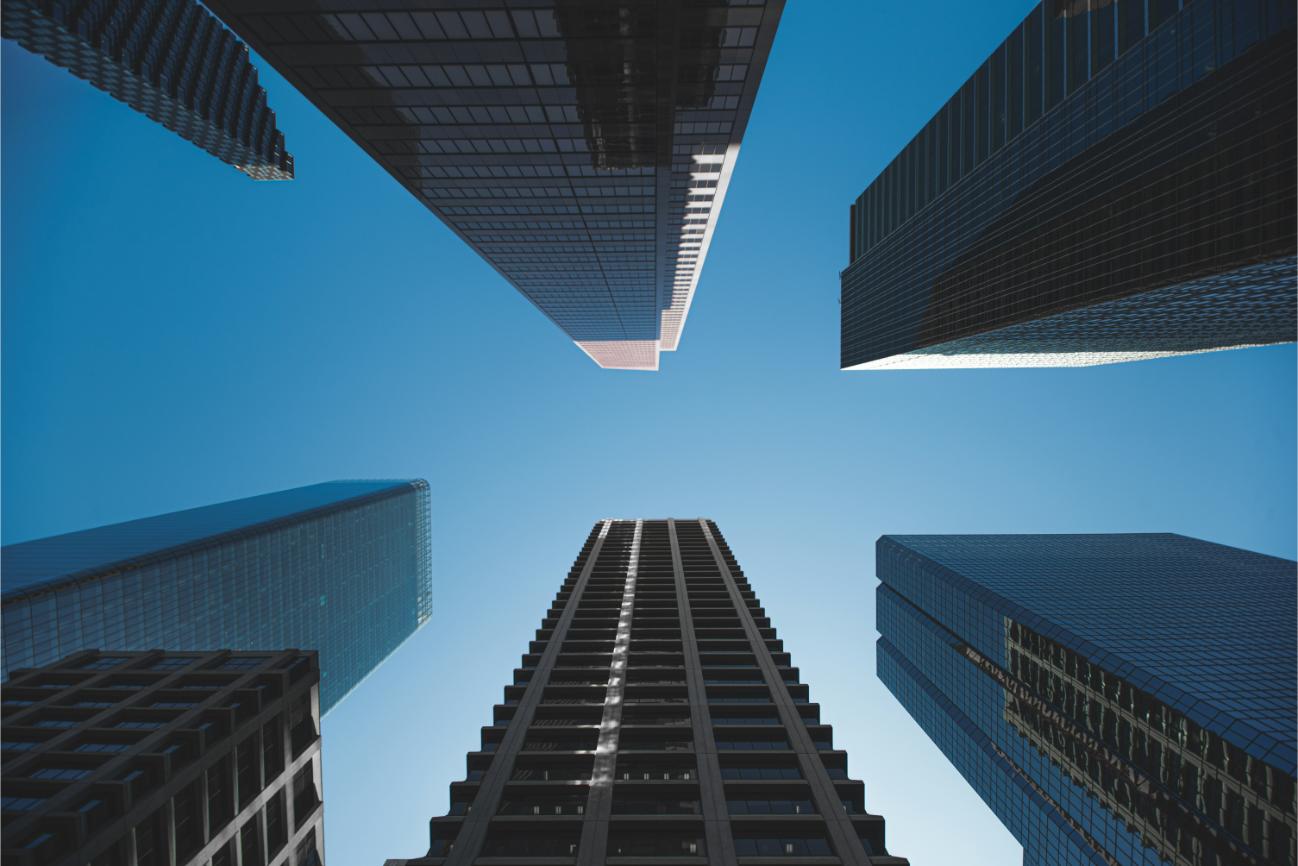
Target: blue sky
175, 334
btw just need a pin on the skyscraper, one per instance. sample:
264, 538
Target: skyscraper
168, 59
1115, 182
140, 759
341, 567
656, 715
1117, 700
583, 148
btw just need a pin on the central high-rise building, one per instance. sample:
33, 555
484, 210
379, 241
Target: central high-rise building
582, 147
340, 567
656, 718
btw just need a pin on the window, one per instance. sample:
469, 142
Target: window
17, 745
61, 774
101, 663
101, 747
20, 804
170, 663
782, 846
1131, 23
1032, 68
771, 807
1056, 51
1103, 36
1079, 49
57, 723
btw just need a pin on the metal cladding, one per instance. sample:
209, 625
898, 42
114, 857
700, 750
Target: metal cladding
1117, 700
341, 567
168, 59
1118, 181
582, 148
656, 717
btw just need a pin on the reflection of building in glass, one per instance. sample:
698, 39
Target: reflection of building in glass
168, 59
342, 568
583, 148
1115, 699
192, 759
1116, 182
656, 717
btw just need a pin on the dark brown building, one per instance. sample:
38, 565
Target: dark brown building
164, 759
583, 148
656, 718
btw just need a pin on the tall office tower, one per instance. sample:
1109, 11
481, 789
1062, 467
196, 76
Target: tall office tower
582, 147
656, 715
168, 59
341, 567
143, 759
1116, 182
1117, 700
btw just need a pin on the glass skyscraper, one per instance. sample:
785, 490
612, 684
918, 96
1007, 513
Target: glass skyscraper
1115, 182
168, 59
657, 718
1117, 700
341, 568
582, 147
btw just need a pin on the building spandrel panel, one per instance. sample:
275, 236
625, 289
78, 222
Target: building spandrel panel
655, 715
1115, 699
1128, 190
341, 567
582, 148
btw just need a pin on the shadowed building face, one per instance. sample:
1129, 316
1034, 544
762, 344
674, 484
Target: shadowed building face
1116, 182
583, 148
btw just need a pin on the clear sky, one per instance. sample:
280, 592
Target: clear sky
175, 334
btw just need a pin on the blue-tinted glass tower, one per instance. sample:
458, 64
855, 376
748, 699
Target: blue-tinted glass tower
1115, 699
341, 567
1117, 181
168, 59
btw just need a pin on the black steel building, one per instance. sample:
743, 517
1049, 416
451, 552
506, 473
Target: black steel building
1115, 182
656, 718
168, 59
583, 148
164, 759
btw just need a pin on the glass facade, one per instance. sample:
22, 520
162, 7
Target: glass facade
1115, 699
582, 148
1116, 181
341, 567
168, 59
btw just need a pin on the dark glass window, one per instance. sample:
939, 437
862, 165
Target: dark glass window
1131, 23
1032, 68
1161, 10
998, 99
1014, 84
1103, 35
1079, 48
1056, 51
982, 132
967, 132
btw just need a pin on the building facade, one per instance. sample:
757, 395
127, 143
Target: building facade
1117, 700
656, 718
1116, 182
341, 567
168, 59
582, 148
164, 759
